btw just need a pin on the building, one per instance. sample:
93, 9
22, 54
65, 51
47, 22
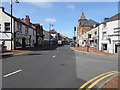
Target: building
84, 25
39, 34
92, 36
46, 37
21, 35
109, 34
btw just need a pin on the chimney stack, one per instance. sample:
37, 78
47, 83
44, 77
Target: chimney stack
27, 19
2, 8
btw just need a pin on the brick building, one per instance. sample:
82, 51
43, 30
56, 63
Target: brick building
84, 25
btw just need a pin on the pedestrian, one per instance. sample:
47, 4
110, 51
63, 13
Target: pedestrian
78, 45
3, 45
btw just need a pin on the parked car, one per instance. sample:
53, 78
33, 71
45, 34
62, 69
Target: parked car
72, 44
59, 43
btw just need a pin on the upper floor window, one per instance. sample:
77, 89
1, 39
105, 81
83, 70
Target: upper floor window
26, 30
7, 27
104, 35
95, 33
0, 27
33, 32
19, 27
104, 25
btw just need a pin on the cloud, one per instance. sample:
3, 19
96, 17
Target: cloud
71, 7
50, 20
42, 4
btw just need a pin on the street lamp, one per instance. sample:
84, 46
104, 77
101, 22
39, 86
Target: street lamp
50, 25
74, 36
16, 1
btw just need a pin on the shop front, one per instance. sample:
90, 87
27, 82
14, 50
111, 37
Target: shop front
22, 41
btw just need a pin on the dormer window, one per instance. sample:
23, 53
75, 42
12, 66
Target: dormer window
104, 25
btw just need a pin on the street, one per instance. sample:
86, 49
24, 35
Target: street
59, 67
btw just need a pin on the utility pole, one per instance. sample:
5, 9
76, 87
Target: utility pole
74, 36
12, 36
50, 25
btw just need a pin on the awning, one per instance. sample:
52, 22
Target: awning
5, 36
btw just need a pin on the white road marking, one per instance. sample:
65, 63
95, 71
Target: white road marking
54, 56
7, 75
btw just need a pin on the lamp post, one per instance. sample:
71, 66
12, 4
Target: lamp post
74, 36
50, 25
16, 1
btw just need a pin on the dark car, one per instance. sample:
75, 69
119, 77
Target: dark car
72, 44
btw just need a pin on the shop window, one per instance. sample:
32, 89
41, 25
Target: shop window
104, 46
18, 42
27, 42
7, 27
117, 49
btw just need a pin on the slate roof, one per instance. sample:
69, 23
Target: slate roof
17, 19
86, 22
113, 18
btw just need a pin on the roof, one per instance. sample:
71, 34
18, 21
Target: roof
83, 16
89, 22
17, 19
113, 18
86, 22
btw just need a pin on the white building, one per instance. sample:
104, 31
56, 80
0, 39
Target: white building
23, 35
109, 34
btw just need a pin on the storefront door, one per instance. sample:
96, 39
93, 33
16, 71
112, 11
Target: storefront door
23, 42
117, 49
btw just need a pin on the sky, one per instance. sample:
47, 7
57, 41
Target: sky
63, 15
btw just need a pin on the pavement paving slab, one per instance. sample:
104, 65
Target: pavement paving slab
113, 83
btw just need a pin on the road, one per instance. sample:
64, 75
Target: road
56, 68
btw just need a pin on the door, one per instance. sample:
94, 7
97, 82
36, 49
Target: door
23, 43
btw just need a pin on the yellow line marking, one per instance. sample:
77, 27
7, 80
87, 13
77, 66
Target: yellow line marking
94, 79
94, 83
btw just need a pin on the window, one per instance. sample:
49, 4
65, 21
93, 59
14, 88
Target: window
33, 32
0, 27
104, 47
104, 25
26, 30
18, 42
104, 34
95, 33
19, 26
7, 27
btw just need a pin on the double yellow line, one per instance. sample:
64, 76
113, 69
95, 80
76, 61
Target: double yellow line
97, 79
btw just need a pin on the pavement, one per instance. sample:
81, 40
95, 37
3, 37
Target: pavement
7, 54
59, 67
112, 83
93, 51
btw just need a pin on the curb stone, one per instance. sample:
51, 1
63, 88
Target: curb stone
100, 87
22, 53
91, 53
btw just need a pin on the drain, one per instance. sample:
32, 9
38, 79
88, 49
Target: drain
62, 64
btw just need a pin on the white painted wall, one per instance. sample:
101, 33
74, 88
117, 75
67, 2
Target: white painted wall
110, 31
6, 18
